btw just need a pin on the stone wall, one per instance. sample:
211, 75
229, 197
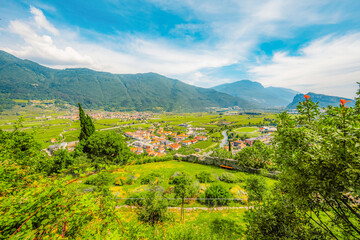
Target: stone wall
214, 161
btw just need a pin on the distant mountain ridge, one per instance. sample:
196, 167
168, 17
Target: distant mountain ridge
257, 93
24, 79
324, 100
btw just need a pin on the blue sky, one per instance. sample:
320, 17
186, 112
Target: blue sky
301, 45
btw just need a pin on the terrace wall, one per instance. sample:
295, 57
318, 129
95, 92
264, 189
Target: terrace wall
215, 161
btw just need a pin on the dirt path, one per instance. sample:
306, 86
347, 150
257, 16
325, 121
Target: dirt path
194, 208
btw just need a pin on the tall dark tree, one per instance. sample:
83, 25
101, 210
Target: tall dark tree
86, 124
357, 104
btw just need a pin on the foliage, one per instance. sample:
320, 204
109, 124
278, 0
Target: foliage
318, 152
257, 156
221, 153
184, 188
228, 177
107, 147
61, 160
206, 177
217, 195
125, 180
227, 228
6, 103
154, 208
278, 218
256, 188
136, 199
86, 125
100, 179
152, 178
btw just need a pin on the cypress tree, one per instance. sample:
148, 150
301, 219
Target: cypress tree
86, 124
229, 146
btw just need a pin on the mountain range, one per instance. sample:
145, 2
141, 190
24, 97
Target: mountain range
24, 79
255, 92
324, 100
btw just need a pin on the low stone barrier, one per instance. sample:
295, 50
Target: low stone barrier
215, 161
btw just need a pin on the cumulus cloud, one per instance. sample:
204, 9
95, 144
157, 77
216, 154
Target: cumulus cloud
233, 31
42, 22
50, 46
39, 44
330, 65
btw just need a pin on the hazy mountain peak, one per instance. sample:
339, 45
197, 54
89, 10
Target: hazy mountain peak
324, 100
256, 92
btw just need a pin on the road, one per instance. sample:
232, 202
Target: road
225, 139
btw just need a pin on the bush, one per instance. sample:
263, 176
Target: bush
154, 207
205, 177
217, 195
128, 180
136, 199
228, 177
226, 227
256, 188
100, 179
152, 178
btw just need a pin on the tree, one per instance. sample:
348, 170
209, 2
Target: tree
184, 188
257, 156
318, 153
107, 147
256, 188
86, 125
278, 218
153, 207
357, 104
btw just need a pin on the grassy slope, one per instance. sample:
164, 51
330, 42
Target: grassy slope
167, 169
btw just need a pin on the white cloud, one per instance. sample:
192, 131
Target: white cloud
41, 21
40, 45
234, 29
61, 48
330, 65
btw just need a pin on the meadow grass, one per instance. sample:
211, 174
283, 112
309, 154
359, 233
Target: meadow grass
167, 169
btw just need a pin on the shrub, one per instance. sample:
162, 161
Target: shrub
205, 177
136, 199
154, 208
226, 227
256, 188
152, 178
128, 180
217, 195
100, 179
228, 177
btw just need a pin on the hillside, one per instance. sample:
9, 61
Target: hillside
24, 79
324, 100
257, 93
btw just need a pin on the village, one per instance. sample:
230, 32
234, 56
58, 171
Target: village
158, 142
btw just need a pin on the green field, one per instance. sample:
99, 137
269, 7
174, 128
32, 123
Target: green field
166, 170
246, 129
